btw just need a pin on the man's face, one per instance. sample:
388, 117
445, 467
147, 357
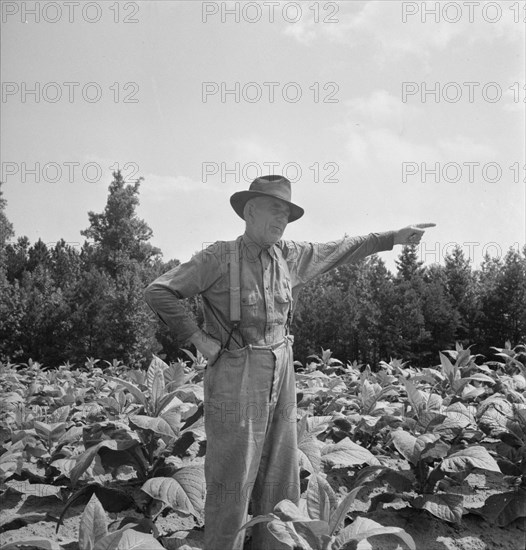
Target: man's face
266, 220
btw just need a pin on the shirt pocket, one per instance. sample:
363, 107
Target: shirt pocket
249, 306
283, 302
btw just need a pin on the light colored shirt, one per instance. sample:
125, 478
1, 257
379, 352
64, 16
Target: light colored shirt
270, 280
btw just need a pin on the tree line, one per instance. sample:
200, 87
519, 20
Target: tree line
62, 304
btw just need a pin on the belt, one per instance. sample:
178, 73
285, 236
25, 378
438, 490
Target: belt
287, 338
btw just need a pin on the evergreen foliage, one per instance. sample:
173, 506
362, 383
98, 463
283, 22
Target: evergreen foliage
67, 304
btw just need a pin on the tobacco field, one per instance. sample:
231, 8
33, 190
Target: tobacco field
108, 457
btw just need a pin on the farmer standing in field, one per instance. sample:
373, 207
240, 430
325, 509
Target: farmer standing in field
248, 289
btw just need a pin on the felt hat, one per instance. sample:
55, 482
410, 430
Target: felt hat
277, 187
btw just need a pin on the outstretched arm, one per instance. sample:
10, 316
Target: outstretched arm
308, 260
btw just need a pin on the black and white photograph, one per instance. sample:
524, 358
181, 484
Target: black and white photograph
263, 275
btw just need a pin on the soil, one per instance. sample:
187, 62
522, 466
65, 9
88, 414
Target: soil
26, 517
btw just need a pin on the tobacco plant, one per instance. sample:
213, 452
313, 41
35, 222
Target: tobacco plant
318, 523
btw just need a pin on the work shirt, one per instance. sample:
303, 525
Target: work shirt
270, 280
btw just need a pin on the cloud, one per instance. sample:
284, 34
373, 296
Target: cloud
380, 133
162, 188
253, 149
412, 27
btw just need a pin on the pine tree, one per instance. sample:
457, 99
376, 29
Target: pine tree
441, 316
118, 265
120, 236
461, 289
407, 316
6, 230
8, 318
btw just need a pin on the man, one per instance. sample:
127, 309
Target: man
248, 287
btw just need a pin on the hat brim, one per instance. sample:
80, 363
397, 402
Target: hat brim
239, 199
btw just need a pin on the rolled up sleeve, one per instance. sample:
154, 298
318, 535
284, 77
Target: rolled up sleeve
165, 294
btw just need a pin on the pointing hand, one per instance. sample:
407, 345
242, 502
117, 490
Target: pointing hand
412, 234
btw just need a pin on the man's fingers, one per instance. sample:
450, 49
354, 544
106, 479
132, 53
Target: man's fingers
424, 225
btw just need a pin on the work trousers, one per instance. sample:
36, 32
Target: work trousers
251, 451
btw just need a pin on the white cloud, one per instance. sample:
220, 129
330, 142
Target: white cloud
376, 138
381, 107
161, 188
252, 149
383, 23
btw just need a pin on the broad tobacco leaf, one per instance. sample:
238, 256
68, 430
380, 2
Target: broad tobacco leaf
442, 505
140, 397
72, 435
168, 402
134, 540
494, 414
286, 510
417, 399
61, 414
363, 528
157, 366
371, 394
411, 447
286, 534
321, 499
503, 508
341, 511
64, 465
451, 372
458, 417
309, 447
174, 376
33, 543
189, 392
50, 432
93, 524
155, 424
346, 454
471, 457
129, 454
292, 522
35, 489
317, 424
128, 539
183, 492
156, 392
430, 419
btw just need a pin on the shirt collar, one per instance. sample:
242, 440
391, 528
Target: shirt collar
254, 249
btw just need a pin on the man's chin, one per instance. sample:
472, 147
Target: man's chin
273, 239
276, 235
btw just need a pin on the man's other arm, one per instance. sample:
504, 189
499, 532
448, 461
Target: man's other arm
164, 297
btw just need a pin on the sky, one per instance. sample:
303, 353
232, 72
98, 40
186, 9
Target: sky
381, 113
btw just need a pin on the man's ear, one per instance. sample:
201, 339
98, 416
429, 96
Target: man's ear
249, 212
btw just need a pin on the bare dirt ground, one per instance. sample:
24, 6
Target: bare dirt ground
28, 517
